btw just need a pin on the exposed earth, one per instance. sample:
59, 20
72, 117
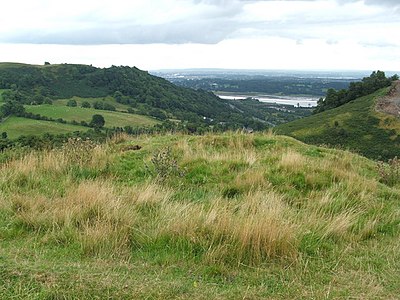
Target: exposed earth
390, 104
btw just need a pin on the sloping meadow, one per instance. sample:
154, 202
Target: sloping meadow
230, 202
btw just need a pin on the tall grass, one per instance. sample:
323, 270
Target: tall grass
264, 221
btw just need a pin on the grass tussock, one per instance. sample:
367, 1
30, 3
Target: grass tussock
76, 152
292, 161
250, 232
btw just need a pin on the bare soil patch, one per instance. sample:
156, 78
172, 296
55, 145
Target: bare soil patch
390, 104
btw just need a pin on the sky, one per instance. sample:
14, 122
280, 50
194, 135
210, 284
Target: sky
179, 34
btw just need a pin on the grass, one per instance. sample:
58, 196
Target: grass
16, 126
113, 119
355, 125
79, 101
247, 216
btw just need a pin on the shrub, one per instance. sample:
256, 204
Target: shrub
72, 103
85, 104
165, 164
389, 173
97, 121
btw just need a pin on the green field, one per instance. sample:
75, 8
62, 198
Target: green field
79, 100
113, 119
355, 125
15, 127
232, 216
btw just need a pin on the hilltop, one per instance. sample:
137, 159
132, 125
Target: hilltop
369, 125
233, 215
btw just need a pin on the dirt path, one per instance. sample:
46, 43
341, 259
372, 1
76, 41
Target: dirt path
390, 104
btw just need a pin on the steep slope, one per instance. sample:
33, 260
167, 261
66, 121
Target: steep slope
356, 125
232, 216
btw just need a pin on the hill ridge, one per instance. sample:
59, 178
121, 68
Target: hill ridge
356, 126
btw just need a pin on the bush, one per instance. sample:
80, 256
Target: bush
97, 121
85, 104
389, 173
72, 103
165, 164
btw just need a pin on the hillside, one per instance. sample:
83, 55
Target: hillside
141, 92
228, 216
16, 127
356, 125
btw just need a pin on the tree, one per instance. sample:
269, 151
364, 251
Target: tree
97, 121
72, 103
11, 108
118, 96
4, 135
85, 104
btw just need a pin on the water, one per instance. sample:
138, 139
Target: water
287, 100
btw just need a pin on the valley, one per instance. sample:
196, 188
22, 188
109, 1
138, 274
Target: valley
115, 182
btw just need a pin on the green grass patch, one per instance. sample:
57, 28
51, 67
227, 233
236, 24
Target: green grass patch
16, 126
79, 100
113, 119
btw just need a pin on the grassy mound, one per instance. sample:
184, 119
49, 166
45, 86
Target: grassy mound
194, 217
355, 125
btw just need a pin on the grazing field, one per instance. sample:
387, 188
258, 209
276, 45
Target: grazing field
79, 100
230, 216
113, 119
16, 126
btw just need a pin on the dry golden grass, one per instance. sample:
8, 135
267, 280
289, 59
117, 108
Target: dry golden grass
338, 226
252, 179
239, 149
256, 229
91, 211
292, 161
74, 153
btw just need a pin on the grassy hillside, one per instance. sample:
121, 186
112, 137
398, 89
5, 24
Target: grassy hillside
228, 216
113, 119
355, 125
16, 126
79, 101
134, 87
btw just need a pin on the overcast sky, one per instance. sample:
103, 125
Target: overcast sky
236, 34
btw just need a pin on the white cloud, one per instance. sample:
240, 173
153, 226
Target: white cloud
312, 34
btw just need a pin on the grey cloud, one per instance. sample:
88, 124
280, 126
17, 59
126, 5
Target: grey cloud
211, 26
174, 33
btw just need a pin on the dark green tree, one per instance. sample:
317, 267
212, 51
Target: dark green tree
11, 108
72, 103
85, 104
97, 121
